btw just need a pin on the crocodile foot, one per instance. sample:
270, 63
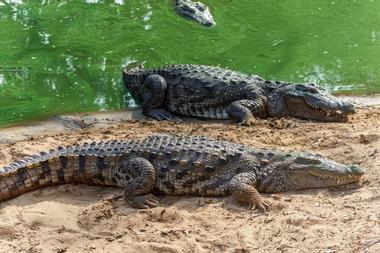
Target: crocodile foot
249, 195
143, 201
160, 114
251, 121
262, 205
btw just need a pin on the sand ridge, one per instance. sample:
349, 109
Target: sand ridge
82, 218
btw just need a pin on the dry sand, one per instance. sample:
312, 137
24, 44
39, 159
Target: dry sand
82, 218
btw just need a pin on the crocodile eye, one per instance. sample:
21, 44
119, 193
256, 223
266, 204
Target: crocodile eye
304, 88
200, 7
307, 160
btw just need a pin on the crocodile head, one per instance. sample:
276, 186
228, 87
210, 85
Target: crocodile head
307, 101
298, 171
195, 11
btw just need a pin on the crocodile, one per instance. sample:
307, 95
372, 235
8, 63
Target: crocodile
177, 165
219, 93
195, 11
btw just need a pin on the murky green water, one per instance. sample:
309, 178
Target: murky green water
66, 56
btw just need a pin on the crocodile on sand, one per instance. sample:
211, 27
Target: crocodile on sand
195, 11
218, 93
178, 165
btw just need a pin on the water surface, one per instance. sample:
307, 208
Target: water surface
66, 56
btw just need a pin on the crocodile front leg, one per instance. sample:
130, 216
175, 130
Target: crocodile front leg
244, 110
138, 176
242, 187
153, 92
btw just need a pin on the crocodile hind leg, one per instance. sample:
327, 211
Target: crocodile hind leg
244, 110
153, 92
242, 187
138, 176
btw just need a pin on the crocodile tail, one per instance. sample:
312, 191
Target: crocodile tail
64, 165
90, 163
26, 175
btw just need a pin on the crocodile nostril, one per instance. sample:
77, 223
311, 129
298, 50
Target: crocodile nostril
357, 170
347, 108
350, 108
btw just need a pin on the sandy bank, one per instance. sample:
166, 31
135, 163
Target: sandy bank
81, 218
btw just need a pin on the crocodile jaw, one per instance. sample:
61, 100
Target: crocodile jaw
301, 108
312, 178
305, 171
307, 101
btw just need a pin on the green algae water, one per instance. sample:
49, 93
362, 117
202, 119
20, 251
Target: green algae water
60, 56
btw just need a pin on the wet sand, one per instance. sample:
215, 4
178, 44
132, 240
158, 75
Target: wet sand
82, 218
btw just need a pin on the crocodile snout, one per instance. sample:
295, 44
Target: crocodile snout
357, 171
347, 108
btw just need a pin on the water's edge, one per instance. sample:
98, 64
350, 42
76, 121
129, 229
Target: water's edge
368, 100
68, 123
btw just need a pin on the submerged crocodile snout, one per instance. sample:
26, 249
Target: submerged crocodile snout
208, 23
196, 11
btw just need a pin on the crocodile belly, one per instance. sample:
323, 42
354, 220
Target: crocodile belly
200, 111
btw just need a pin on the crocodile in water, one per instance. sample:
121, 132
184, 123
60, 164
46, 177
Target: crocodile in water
195, 11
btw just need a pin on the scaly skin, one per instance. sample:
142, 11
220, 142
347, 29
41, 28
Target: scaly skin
217, 93
195, 11
179, 165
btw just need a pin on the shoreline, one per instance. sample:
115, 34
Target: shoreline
362, 100
71, 122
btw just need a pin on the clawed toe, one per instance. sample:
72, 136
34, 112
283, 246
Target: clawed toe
143, 202
248, 122
262, 206
163, 116
159, 114
151, 199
